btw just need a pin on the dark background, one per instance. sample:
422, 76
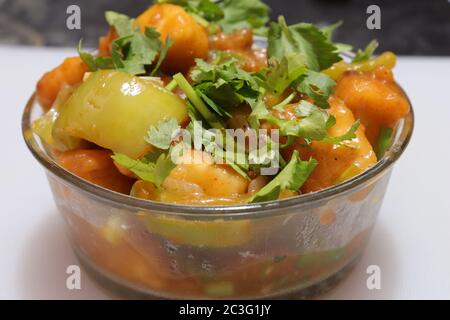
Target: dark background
414, 27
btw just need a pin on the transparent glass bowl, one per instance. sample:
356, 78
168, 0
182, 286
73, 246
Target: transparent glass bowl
296, 247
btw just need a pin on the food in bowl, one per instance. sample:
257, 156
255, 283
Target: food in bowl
194, 110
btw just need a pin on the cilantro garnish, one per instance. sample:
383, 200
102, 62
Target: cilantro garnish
330, 29
204, 11
328, 32
240, 14
259, 112
230, 15
162, 54
297, 54
225, 84
197, 103
292, 177
312, 125
317, 51
216, 88
280, 75
146, 170
317, 86
93, 63
132, 51
349, 135
123, 24
366, 54
384, 141
280, 107
161, 136
210, 141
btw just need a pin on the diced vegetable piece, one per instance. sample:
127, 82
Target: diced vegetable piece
384, 141
319, 259
215, 233
374, 98
113, 230
220, 289
334, 161
43, 126
348, 173
115, 110
70, 72
97, 167
144, 190
387, 59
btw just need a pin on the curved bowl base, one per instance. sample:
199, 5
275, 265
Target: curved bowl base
117, 288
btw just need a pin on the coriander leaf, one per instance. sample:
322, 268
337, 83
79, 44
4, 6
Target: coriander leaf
206, 9
212, 141
286, 127
133, 50
94, 63
163, 134
349, 135
266, 157
331, 121
384, 141
292, 177
280, 75
131, 53
145, 170
226, 71
366, 54
193, 113
219, 57
238, 170
343, 47
210, 10
317, 86
224, 85
280, 107
318, 52
197, 103
313, 124
163, 167
87, 58
104, 62
266, 194
328, 32
123, 24
259, 112
162, 54
329, 29
240, 14
219, 110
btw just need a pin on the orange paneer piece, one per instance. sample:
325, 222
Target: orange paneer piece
96, 166
70, 72
374, 98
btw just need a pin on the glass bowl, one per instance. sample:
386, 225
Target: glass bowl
297, 247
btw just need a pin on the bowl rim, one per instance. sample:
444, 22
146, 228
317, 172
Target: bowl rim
401, 140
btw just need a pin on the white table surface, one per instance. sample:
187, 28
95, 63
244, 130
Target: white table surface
411, 241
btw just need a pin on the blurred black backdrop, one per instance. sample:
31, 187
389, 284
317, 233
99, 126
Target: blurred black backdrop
413, 27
